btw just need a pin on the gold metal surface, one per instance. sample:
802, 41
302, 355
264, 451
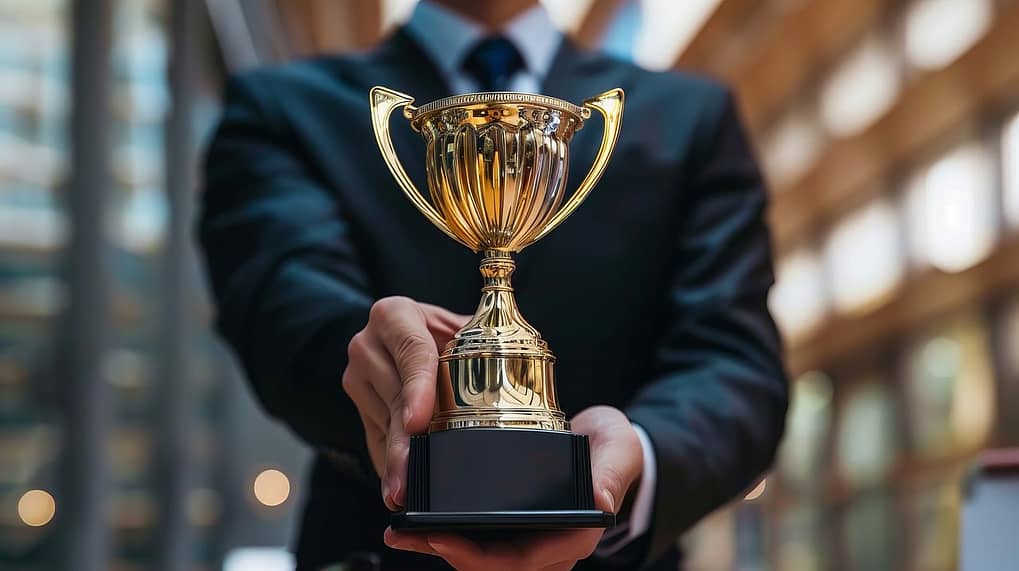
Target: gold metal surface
496, 165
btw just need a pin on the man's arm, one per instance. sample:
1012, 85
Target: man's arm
285, 275
716, 411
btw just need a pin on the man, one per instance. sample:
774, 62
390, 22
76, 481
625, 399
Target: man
323, 272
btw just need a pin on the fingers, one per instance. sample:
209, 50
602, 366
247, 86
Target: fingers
617, 457
390, 377
401, 325
443, 323
461, 553
565, 566
371, 379
408, 541
402, 328
555, 550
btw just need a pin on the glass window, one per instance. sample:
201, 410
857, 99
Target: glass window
396, 12
861, 89
801, 457
791, 147
1007, 342
799, 300
952, 210
932, 508
867, 442
950, 390
711, 544
620, 37
936, 32
1011, 344
140, 97
667, 28
139, 100
802, 545
864, 258
34, 91
243, 558
871, 532
1010, 176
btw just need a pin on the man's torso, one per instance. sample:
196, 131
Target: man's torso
595, 288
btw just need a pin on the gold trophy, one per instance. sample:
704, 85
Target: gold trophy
499, 453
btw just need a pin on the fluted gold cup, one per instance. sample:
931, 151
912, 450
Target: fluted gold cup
496, 166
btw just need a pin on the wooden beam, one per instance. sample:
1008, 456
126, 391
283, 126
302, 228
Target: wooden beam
331, 26
789, 54
367, 23
296, 19
725, 24
923, 298
596, 22
930, 108
769, 53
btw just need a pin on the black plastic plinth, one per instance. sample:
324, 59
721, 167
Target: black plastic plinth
499, 479
483, 521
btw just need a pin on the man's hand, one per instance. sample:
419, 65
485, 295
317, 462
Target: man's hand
390, 377
616, 463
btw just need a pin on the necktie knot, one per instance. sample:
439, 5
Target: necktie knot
492, 62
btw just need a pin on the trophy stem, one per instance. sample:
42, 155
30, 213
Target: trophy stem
496, 269
497, 326
497, 372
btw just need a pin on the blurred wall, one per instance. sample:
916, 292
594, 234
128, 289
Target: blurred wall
128, 440
889, 133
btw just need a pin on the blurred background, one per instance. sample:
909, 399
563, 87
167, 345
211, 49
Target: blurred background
889, 131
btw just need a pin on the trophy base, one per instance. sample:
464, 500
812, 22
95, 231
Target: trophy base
479, 479
508, 521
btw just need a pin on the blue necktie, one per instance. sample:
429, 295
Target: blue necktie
493, 62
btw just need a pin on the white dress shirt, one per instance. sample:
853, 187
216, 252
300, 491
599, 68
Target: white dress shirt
447, 38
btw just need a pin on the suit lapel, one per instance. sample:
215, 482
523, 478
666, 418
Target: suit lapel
575, 75
402, 65
578, 74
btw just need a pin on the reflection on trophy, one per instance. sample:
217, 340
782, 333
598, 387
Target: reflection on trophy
499, 453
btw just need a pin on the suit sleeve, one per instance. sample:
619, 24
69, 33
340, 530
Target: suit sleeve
715, 410
285, 275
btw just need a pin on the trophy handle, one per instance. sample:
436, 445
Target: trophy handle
610, 105
383, 102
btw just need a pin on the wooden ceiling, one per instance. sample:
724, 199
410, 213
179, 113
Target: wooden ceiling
776, 63
319, 26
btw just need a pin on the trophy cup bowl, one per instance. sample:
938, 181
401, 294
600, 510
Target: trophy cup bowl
499, 453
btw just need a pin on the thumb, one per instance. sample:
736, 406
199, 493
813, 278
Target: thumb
617, 457
442, 323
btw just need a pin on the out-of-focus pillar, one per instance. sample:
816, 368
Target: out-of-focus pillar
176, 308
83, 500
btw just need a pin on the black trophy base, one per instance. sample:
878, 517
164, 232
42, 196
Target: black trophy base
481, 479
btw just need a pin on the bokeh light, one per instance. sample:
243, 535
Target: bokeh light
860, 90
757, 492
952, 209
799, 298
36, 508
271, 487
939, 31
864, 258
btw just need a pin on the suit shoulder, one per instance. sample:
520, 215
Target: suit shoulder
697, 101
695, 91
310, 74
692, 87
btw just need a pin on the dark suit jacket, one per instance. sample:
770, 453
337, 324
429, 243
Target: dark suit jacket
653, 294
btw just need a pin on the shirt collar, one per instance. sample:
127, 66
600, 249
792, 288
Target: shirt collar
447, 37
